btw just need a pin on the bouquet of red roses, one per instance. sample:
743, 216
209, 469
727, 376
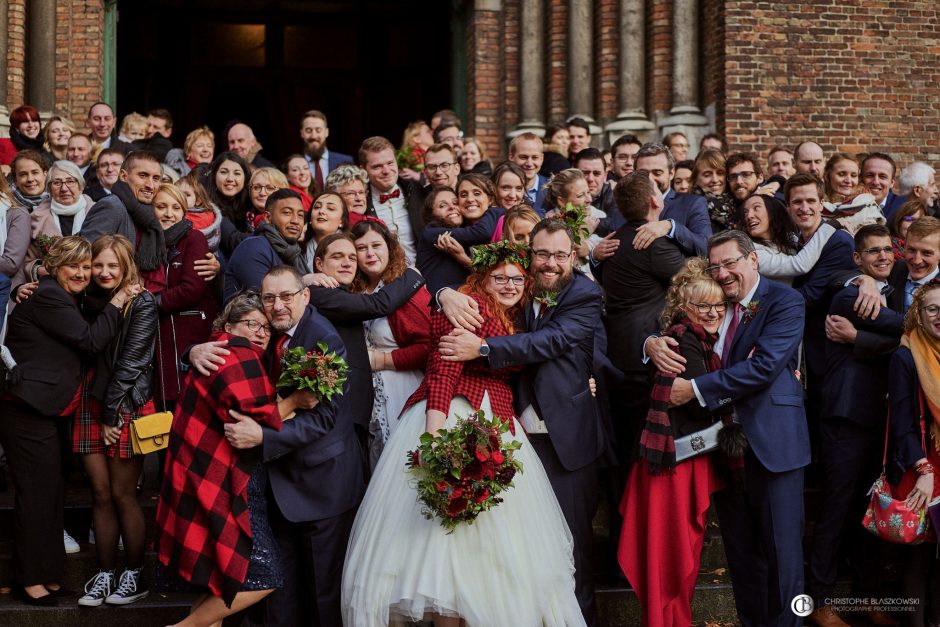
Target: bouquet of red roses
461, 471
322, 371
410, 157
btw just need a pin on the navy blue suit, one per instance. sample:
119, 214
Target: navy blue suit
893, 202
249, 262
688, 211
538, 203
558, 351
314, 466
851, 436
439, 268
762, 527
335, 159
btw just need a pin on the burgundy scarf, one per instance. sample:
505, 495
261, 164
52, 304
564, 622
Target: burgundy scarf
657, 445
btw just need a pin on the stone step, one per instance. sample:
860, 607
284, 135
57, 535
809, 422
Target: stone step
79, 567
156, 610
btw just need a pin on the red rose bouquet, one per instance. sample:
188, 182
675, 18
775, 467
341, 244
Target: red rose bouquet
461, 471
410, 157
322, 371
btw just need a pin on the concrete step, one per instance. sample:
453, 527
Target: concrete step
79, 567
156, 610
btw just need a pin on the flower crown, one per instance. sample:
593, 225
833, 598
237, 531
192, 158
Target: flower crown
489, 255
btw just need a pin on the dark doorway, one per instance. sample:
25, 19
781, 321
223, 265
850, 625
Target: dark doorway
371, 66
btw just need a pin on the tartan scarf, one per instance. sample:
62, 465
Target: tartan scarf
657, 444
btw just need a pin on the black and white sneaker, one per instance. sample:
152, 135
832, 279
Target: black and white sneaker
128, 590
97, 589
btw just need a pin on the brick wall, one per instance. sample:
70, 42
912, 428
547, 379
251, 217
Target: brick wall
485, 78
713, 59
659, 55
606, 59
79, 57
557, 16
512, 40
16, 54
854, 75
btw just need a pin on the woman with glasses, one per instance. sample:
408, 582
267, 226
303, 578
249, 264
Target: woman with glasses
914, 396
212, 532
901, 221
514, 564
61, 214
184, 299
667, 495
263, 183
398, 344
352, 183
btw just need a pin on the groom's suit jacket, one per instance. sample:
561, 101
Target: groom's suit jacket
558, 351
314, 462
760, 379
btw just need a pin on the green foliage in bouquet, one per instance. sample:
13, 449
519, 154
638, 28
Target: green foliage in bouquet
322, 371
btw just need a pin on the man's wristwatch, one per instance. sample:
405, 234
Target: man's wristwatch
484, 349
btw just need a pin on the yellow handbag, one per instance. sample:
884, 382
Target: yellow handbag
151, 432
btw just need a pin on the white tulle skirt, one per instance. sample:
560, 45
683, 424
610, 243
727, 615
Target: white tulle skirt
512, 566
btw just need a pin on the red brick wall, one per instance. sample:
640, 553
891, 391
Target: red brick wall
557, 43
485, 80
16, 54
512, 40
606, 59
659, 57
713, 59
79, 57
850, 74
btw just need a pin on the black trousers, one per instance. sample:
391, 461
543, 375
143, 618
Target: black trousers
312, 556
576, 492
849, 456
31, 443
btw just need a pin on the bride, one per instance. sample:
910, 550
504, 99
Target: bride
513, 565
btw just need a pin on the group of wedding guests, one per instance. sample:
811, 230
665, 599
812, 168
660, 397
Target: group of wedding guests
618, 317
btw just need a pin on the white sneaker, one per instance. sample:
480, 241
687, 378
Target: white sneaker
97, 589
71, 546
128, 589
91, 539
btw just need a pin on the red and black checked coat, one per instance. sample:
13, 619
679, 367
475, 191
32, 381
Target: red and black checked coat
446, 379
203, 530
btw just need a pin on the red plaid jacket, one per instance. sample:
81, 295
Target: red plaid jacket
203, 530
446, 379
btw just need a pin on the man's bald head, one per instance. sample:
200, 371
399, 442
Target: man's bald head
241, 140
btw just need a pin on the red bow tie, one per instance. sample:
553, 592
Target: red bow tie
384, 198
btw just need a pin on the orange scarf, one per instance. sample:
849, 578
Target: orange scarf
926, 352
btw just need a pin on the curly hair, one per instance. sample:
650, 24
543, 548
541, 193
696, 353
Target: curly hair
476, 286
912, 318
236, 309
397, 263
691, 284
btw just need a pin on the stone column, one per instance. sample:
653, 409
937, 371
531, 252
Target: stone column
531, 68
40, 55
4, 47
632, 97
685, 114
581, 61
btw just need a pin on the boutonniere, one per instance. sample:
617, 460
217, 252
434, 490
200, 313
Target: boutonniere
546, 301
750, 311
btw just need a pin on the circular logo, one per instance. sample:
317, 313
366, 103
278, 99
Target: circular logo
802, 605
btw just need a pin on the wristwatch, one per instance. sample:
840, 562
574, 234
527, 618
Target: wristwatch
484, 349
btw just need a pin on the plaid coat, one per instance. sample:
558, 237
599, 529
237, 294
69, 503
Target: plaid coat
446, 379
203, 530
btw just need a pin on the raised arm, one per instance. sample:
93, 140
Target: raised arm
781, 265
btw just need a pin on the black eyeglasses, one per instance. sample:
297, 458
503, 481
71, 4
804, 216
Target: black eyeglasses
285, 297
704, 308
544, 255
254, 325
502, 279
888, 250
931, 310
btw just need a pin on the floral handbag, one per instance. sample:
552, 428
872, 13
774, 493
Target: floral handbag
888, 516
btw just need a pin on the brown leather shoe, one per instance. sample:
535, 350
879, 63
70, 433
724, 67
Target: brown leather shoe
825, 617
878, 617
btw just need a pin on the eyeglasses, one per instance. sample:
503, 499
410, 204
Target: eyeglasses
878, 249
59, 183
434, 167
286, 298
254, 326
729, 265
354, 194
502, 279
544, 255
704, 308
263, 188
740, 176
931, 310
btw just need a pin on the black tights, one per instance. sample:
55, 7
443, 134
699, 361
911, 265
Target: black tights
115, 508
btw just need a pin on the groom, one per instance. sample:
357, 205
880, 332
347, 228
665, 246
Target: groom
758, 342
552, 398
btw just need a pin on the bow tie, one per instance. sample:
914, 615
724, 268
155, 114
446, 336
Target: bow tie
384, 198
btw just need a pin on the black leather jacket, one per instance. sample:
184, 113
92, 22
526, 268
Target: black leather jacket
125, 369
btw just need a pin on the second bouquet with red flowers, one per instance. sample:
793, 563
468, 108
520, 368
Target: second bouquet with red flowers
322, 371
461, 471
